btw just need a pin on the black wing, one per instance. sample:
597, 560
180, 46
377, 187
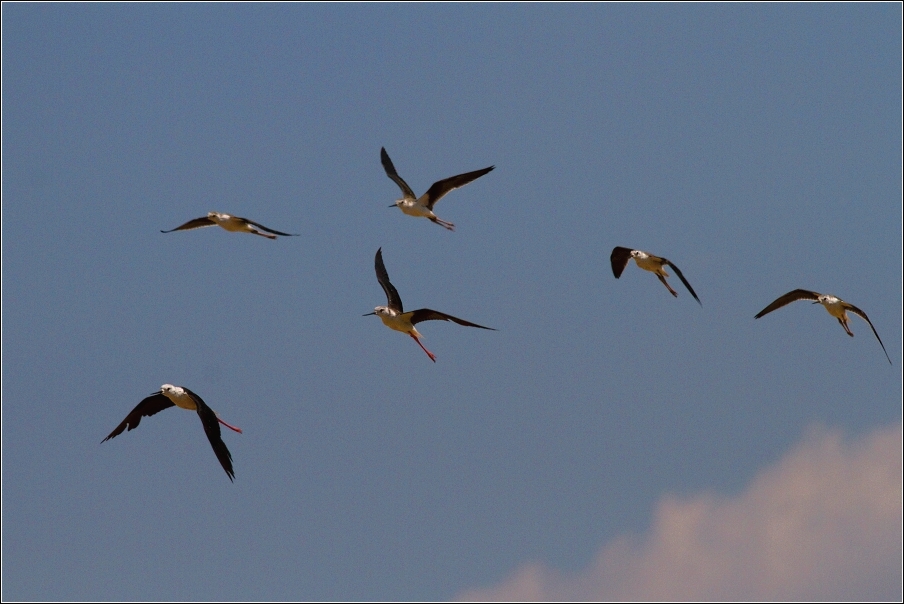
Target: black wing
197, 223
619, 258
863, 316
146, 408
391, 173
393, 300
683, 280
792, 296
425, 314
438, 189
260, 226
212, 429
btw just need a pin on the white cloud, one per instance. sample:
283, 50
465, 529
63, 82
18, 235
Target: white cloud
824, 523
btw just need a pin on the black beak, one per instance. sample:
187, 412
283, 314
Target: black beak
370, 313
393, 205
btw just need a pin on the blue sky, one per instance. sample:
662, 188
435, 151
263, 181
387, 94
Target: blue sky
758, 147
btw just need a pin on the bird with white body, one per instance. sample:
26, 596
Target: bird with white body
233, 224
178, 396
423, 206
394, 316
621, 256
835, 306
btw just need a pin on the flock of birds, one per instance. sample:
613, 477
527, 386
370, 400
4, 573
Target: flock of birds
393, 314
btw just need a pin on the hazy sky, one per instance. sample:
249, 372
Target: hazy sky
609, 441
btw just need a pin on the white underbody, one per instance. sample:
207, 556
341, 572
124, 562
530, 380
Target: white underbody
231, 223
398, 322
179, 397
415, 207
648, 263
835, 306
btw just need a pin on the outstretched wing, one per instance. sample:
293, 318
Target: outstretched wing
149, 406
438, 189
269, 230
683, 280
425, 314
212, 429
619, 258
393, 300
197, 223
792, 296
863, 316
391, 173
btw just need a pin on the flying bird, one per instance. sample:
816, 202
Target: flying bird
621, 255
233, 224
181, 397
394, 316
423, 205
836, 306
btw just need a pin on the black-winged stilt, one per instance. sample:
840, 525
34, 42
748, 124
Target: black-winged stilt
423, 205
233, 224
621, 255
169, 396
836, 306
394, 316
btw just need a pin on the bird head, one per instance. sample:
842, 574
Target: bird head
382, 311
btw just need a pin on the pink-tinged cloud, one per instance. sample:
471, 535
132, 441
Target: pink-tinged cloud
824, 523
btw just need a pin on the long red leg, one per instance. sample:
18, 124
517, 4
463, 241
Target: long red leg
846, 328
664, 282
443, 223
429, 354
239, 430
